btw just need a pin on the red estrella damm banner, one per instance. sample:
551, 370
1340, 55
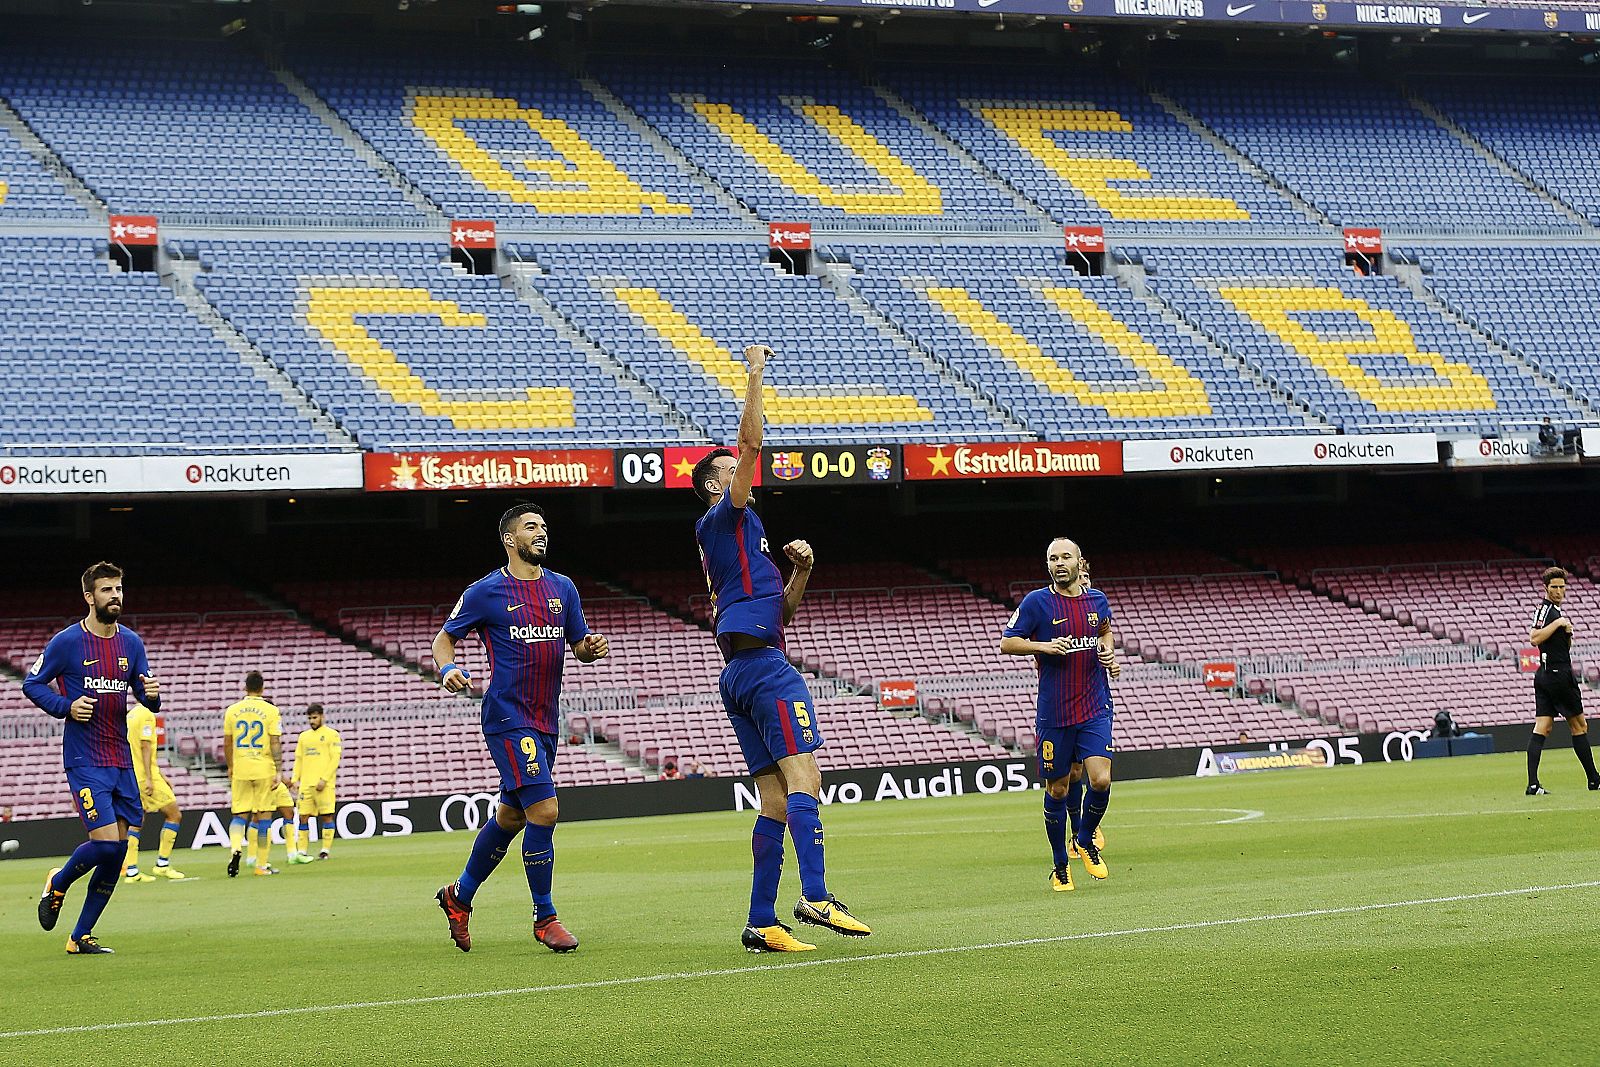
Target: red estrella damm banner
566, 469
793, 236
1085, 238
1527, 659
898, 694
680, 461
1029, 459
1220, 675
139, 230
1367, 240
472, 233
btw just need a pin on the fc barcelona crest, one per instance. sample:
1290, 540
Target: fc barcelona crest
122, 663
1319, 12
554, 604
1094, 620
1075, 6
1551, 19
788, 465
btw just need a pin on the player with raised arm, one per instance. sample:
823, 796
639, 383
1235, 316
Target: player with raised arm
765, 697
1060, 626
156, 796
527, 616
84, 676
1555, 686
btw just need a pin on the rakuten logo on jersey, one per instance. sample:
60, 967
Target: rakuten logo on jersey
530, 634
105, 685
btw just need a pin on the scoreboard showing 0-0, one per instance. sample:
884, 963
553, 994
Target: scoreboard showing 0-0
669, 468
831, 465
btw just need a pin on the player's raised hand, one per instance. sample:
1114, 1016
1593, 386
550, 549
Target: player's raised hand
454, 678
82, 708
756, 356
800, 553
152, 688
594, 647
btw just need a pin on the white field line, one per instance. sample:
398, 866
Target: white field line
680, 976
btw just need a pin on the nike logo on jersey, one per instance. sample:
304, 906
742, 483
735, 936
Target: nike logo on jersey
1057, 622
513, 607
90, 662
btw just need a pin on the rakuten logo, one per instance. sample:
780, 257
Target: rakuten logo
235, 474
1339, 450
535, 633
23, 474
1211, 455
1497, 448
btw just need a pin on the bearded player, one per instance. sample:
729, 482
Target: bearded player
85, 676
1066, 627
765, 697
527, 617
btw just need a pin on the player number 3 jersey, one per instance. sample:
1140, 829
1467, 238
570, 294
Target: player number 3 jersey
1072, 688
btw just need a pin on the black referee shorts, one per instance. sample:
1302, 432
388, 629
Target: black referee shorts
1555, 693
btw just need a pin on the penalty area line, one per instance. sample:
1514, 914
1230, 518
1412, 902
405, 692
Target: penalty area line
672, 976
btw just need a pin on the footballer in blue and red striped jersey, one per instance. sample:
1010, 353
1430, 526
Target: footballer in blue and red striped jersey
86, 675
766, 699
527, 617
1066, 628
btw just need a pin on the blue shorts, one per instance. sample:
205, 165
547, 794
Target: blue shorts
1062, 746
103, 795
769, 706
526, 760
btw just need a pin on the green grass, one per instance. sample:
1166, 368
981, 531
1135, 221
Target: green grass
1495, 979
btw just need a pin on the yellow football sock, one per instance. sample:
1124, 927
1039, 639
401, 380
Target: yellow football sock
132, 857
291, 830
263, 843
327, 838
236, 833
169, 838
251, 835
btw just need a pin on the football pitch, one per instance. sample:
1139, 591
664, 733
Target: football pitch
1401, 913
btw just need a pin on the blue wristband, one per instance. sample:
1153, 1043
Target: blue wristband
448, 667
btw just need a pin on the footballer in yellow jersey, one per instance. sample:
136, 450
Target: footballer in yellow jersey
252, 735
155, 794
316, 761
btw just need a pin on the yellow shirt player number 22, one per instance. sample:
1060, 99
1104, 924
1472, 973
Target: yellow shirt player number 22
248, 728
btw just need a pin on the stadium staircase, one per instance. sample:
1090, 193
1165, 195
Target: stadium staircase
46, 157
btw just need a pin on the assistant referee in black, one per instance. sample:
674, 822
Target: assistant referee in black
1555, 687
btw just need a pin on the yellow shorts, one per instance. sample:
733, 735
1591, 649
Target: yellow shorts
280, 798
316, 801
253, 794
158, 797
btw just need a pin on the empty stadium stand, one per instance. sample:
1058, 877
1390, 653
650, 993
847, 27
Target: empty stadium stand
408, 350
1067, 356
27, 190
665, 310
803, 142
1096, 150
1362, 154
1364, 353
175, 388
485, 135
125, 116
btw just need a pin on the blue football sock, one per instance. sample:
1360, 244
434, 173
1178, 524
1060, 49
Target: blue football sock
1055, 826
487, 851
1094, 809
84, 859
805, 827
1075, 804
766, 844
104, 882
539, 862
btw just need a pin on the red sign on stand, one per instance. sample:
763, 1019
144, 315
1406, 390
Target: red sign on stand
1363, 240
789, 236
472, 233
1085, 238
140, 230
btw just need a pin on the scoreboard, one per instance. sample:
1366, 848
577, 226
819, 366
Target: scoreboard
671, 467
